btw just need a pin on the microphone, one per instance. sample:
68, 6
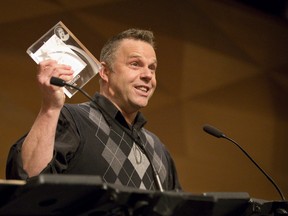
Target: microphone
57, 82
213, 131
61, 83
219, 134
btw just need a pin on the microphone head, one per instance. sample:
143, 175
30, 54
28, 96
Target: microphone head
57, 82
213, 131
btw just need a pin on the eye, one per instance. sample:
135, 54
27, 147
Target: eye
153, 67
134, 64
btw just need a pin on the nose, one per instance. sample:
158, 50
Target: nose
147, 74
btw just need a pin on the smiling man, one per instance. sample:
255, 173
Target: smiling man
130, 81
107, 140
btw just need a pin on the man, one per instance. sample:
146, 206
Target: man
107, 139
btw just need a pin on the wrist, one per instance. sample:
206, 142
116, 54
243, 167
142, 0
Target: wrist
50, 110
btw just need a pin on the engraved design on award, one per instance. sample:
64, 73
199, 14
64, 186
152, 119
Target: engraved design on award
60, 44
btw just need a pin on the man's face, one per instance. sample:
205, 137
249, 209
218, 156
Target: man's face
61, 32
132, 80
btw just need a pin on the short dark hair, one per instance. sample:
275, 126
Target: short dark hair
108, 50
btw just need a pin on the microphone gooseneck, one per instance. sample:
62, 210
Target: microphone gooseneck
217, 133
60, 82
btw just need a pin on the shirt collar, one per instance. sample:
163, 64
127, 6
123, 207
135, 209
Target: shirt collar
112, 111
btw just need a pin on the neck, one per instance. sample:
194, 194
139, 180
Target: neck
128, 115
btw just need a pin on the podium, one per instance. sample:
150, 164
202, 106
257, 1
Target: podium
89, 195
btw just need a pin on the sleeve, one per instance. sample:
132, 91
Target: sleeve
173, 176
14, 168
67, 142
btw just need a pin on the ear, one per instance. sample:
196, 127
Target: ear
104, 71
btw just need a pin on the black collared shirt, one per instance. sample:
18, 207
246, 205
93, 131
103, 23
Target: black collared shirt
89, 141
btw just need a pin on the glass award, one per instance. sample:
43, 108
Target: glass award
60, 44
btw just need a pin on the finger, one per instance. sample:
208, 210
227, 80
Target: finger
44, 65
66, 76
63, 73
55, 70
49, 66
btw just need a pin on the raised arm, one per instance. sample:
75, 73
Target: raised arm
37, 148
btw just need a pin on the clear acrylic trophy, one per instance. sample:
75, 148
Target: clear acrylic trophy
61, 45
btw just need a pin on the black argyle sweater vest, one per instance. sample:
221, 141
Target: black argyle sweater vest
106, 150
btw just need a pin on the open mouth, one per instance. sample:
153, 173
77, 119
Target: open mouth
143, 89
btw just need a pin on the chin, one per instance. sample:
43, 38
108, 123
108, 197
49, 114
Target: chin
140, 102
141, 105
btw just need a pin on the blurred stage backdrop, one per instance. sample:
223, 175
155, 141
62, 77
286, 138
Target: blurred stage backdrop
221, 62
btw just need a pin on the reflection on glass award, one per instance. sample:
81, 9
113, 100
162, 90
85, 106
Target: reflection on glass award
61, 45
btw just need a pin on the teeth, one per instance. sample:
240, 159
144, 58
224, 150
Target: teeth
142, 88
